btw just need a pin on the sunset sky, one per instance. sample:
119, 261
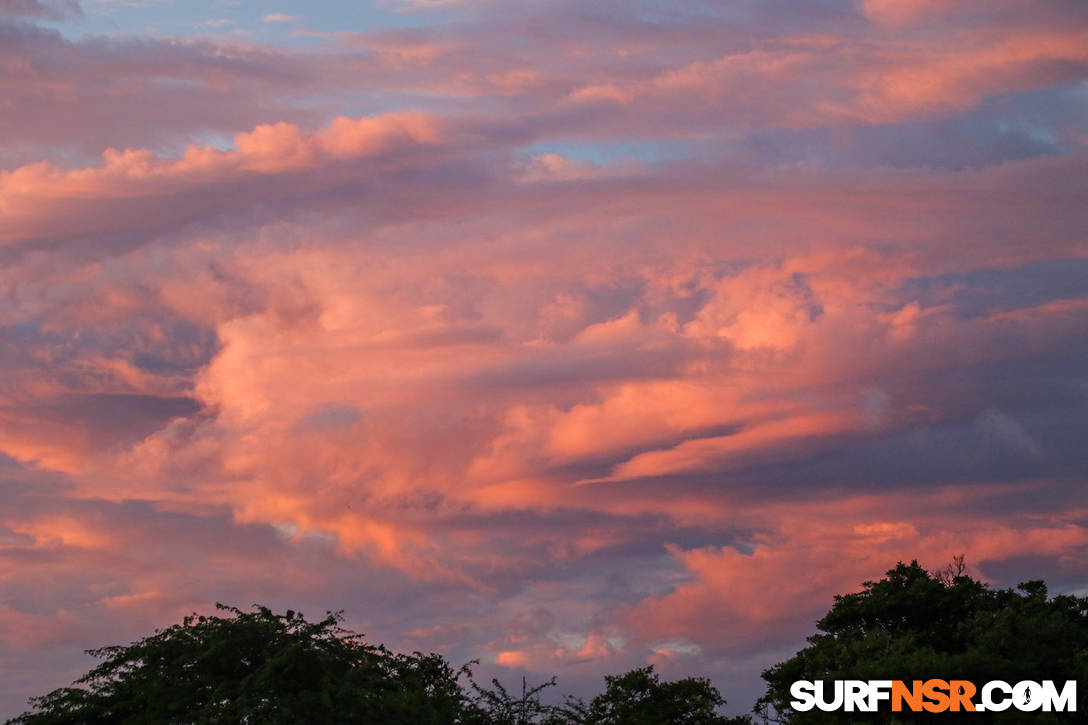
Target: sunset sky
570, 336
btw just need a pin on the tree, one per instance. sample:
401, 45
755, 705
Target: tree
641, 698
638, 697
255, 667
915, 625
262, 667
496, 706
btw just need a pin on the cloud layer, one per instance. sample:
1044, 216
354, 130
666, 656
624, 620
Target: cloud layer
565, 337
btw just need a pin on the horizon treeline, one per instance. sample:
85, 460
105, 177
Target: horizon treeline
262, 667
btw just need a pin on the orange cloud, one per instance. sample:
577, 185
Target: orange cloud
639, 338
44, 200
816, 550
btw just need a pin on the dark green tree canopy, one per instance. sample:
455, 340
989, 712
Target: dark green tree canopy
262, 667
255, 667
913, 624
641, 698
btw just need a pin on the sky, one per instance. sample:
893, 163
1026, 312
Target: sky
570, 337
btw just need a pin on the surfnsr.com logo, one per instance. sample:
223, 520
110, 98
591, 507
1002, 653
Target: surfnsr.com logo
933, 696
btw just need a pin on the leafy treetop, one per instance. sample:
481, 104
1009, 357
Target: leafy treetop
262, 667
913, 624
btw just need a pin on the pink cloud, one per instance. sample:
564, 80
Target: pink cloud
734, 601
567, 342
45, 201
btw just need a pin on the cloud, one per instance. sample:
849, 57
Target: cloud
49, 10
769, 596
77, 97
158, 193
596, 336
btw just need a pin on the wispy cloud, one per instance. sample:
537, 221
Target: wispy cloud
430, 306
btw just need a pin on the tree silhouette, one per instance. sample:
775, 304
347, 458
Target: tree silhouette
638, 697
916, 625
641, 698
262, 667
255, 667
